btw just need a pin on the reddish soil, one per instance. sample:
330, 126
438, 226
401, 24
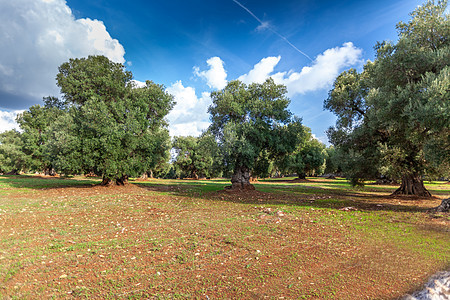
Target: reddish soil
158, 241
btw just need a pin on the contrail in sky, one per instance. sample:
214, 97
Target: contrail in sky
271, 29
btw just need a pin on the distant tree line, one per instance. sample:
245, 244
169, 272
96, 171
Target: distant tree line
104, 126
393, 122
108, 127
204, 157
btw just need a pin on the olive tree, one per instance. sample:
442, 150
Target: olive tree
394, 116
113, 129
250, 119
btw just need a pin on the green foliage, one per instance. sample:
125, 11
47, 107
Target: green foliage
264, 166
252, 124
332, 163
95, 77
113, 129
394, 116
308, 158
64, 145
166, 170
12, 158
106, 126
211, 156
34, 124
186, 155
197, 156
54, 102
311, 157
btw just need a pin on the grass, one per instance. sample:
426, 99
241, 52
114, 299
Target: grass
189, 239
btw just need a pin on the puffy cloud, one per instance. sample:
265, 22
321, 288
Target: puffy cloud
8, 120
324, 70
138, 84
261, 71
216, 76
320, 75
36, 36
190, 114
101, 40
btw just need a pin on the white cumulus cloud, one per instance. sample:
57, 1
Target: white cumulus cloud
36, 36
320, 75
216, 76
324, 70
8, 120
261, 71
190, 114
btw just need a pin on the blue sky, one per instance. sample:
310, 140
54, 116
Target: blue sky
194, 47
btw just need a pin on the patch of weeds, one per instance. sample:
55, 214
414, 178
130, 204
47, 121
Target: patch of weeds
181, 258
86, 245
155, 244
12, 270
401, 230
56, 246
70, 248
336, 277
294, 256
229, 241
80, 292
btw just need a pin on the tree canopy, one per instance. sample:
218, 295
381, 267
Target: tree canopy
113, 129
34, 124
394, 116
250, 119
308, 158
94, 77
197, 156
12, 157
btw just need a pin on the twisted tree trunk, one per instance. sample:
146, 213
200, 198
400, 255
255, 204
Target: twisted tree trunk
444, 206
122, 181
106, 181
13, 172
412, 184
146, 175
49, 172
118, 181
241, 179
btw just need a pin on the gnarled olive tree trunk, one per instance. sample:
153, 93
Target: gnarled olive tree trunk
146, 175
118, 181
241, 179
49, 172
412, 184
444, 206
301, 175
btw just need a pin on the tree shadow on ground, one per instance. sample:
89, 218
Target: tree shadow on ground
319, 198
339, 198
39, 182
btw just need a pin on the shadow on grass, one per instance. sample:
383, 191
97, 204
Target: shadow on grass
43, 182
310, 180
316, 194
301, 196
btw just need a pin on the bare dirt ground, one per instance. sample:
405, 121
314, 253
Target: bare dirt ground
175, 241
